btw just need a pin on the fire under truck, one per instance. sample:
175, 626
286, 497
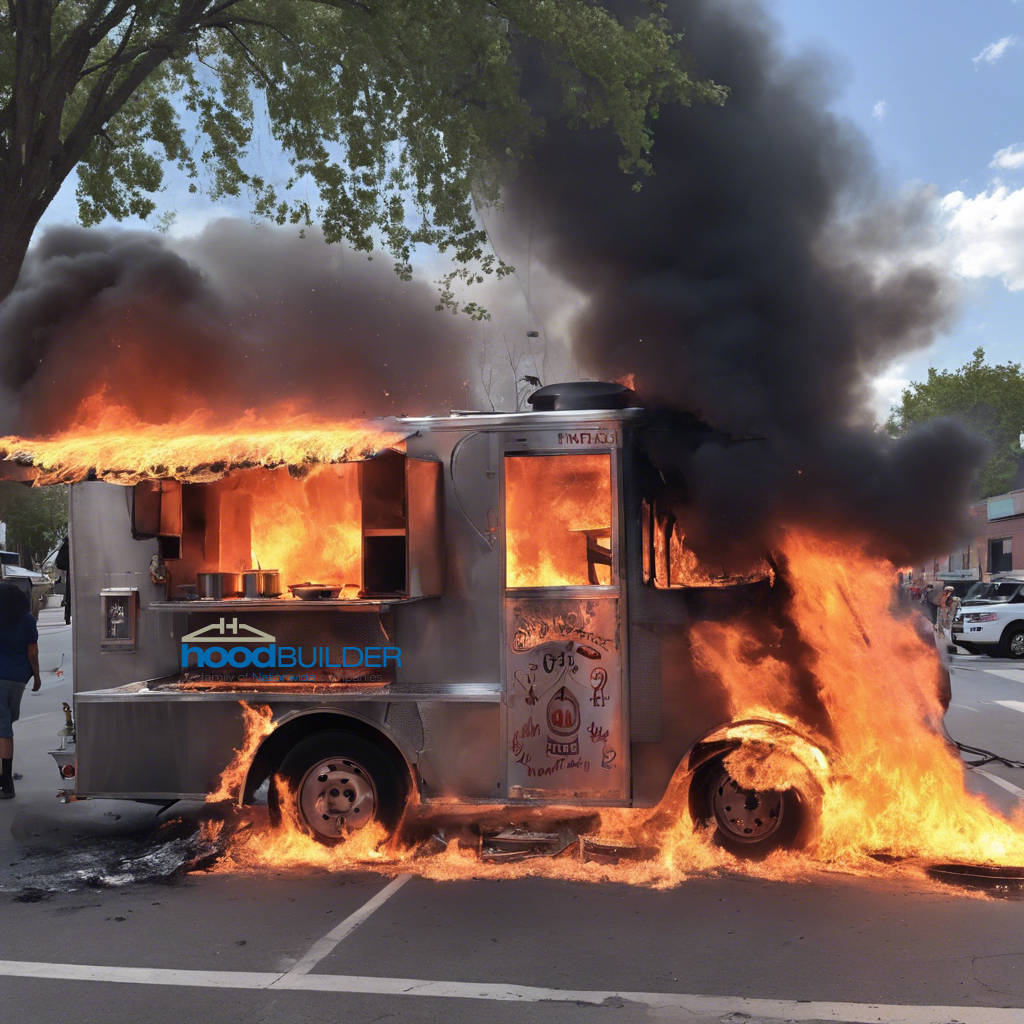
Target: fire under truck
498, 619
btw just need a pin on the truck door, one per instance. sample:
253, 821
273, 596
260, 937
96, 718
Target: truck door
566, 728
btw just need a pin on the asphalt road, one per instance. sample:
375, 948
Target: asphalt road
79, 944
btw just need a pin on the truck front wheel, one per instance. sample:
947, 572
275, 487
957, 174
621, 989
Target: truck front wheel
337, 782
748, 823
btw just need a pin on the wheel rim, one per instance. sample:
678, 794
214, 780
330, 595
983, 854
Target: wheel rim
1017, 645
744, 815
337, 796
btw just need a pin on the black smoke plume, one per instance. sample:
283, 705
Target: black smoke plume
756, 280
235, 318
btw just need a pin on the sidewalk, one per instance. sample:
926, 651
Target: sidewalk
35, 817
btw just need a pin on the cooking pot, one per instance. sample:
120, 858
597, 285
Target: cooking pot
261, 583
272, 586
216, 586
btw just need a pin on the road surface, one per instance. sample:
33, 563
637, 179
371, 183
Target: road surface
361, 948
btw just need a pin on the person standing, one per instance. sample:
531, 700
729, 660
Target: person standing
63, 563
19, 662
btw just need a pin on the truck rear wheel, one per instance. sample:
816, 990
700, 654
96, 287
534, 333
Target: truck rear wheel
340, 782
748, 823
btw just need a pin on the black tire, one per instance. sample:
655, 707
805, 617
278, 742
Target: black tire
968, 647
791, 808
359, 758
1012, 645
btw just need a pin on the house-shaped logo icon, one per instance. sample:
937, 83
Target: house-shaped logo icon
226, 631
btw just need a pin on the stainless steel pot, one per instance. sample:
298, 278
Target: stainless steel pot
272, 585
252, 583
216, 586
261, 583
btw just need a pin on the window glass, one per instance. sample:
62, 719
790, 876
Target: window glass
558, 520
1000, 555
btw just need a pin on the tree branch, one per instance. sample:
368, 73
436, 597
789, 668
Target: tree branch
251, 60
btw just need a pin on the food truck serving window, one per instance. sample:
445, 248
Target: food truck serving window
558, 520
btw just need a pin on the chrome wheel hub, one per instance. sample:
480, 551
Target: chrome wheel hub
336, 797
1017, 645
744, 815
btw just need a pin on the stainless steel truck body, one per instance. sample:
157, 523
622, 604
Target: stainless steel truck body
509, 686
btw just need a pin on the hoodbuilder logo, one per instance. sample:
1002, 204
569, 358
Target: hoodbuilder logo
233, 644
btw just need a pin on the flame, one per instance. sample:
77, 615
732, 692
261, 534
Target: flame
108, 441
677, 565
258, 723
308, 528
890, 784
556, 507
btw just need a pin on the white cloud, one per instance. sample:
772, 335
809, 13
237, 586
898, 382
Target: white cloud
987, 232
1009, 159
879, 109
886, 391
994, 51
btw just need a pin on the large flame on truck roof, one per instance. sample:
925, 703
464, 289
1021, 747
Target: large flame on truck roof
109, 442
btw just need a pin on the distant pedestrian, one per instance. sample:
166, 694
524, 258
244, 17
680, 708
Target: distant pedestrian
63, 563
19, 662
947, 603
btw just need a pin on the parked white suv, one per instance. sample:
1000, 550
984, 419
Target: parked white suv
991, 620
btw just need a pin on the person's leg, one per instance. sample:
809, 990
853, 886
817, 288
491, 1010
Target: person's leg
10, 701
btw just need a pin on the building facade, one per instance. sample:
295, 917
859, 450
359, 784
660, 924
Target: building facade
996, 547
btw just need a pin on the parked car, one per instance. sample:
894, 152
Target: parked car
35, 584
991, 620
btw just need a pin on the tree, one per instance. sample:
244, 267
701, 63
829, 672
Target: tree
396, 115
36, 519
988, 400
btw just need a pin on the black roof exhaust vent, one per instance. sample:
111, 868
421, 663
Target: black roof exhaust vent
583, 394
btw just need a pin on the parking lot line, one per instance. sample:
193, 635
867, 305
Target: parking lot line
1013, 675
323, 946
798, 1009
1013, 705
1008, 786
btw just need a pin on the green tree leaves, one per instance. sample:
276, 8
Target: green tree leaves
36, 518
988, 400
395, 116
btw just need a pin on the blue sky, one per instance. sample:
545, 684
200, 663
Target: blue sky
949, 75
938, 88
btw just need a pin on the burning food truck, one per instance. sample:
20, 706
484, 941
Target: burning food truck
478, 608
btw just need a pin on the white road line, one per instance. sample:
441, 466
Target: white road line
1002, 783
966, 707
883, 1013
323, 946
1014, 675
1013, 705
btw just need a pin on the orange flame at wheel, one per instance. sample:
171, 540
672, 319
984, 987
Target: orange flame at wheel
258, 723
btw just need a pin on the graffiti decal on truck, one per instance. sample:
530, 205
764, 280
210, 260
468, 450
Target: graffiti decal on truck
563, 657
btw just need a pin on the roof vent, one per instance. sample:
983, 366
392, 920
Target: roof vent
582, 394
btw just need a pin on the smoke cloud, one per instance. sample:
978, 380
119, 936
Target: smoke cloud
757, 280
238, 317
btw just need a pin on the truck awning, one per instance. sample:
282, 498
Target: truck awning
163, 452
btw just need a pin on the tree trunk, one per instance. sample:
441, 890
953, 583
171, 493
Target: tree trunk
18, 221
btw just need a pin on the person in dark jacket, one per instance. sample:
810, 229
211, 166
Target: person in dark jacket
63, 562
19, 662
